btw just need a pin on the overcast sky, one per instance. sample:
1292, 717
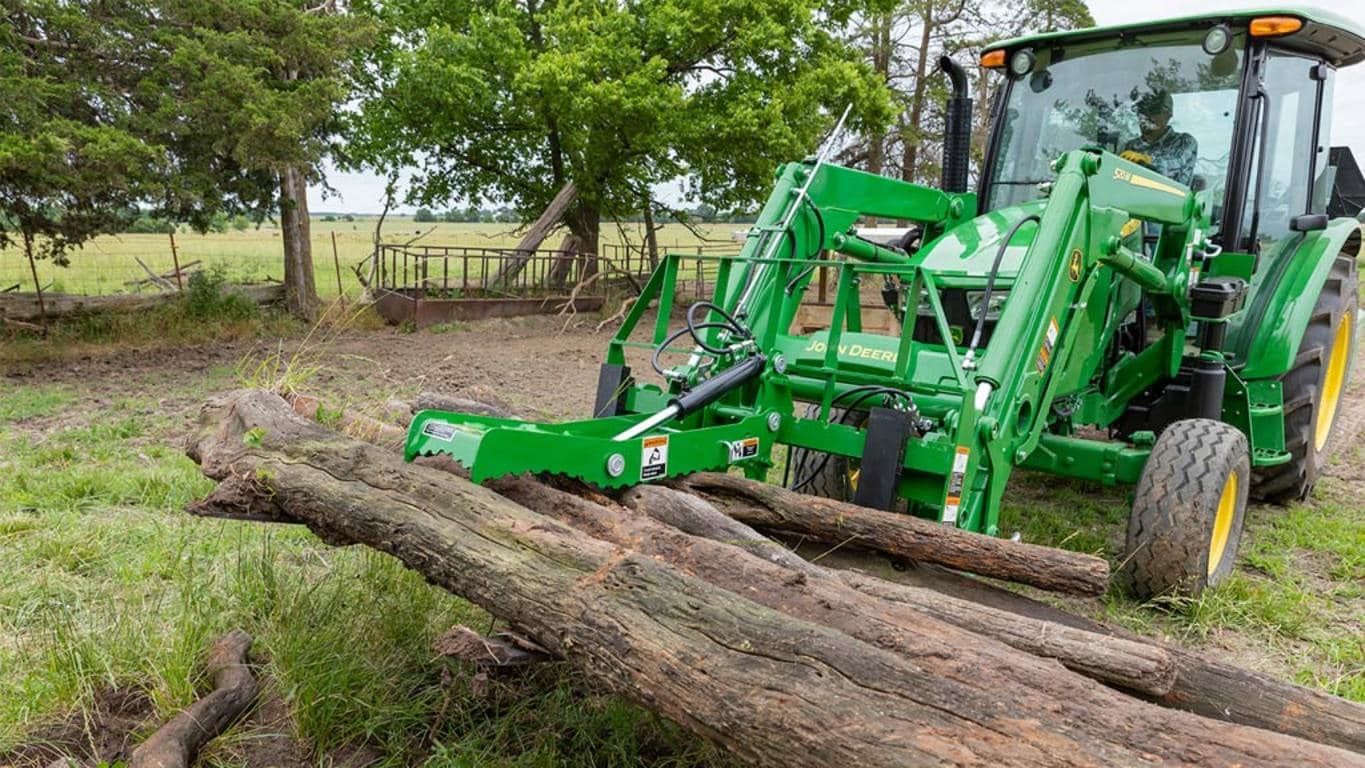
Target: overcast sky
364, 193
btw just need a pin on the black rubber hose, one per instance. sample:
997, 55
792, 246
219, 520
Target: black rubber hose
819, 247
869, 391
990, 283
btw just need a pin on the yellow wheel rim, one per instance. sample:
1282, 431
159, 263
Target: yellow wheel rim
1222, 523
1333, 382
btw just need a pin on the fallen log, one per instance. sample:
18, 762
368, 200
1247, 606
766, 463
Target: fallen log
1202, 685
25, 307
1206, 687
773, 688
772, 508
1136, 666
175, 744
1132, 665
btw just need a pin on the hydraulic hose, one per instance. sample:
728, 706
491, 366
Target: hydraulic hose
990, 285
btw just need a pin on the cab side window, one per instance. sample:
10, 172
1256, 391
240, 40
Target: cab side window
1290, 123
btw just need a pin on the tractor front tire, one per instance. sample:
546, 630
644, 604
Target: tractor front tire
1313, 387
822, 474
1188, 510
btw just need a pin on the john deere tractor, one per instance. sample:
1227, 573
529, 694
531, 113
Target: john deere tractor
1146, 286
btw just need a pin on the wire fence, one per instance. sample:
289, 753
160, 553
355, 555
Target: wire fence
127, 263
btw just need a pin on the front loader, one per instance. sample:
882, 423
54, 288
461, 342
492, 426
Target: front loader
1144, 288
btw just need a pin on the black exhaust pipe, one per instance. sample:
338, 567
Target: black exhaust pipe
957, 128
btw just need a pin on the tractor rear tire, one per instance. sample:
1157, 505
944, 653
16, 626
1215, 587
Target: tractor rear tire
1188, 510
818, 473
1313, 387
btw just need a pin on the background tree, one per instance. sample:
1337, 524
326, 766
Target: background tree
902, 41
194, 110
70, 168
506, 102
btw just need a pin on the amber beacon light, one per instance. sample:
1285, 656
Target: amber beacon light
1275, 26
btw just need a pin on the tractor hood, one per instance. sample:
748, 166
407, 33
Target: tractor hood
969, 249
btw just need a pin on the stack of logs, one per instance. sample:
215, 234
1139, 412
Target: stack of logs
672, 597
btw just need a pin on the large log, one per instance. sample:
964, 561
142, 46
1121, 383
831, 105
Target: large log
769, 507
1207, 687
773, 688
1202, 685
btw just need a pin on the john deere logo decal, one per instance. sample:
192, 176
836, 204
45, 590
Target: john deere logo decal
1073, 270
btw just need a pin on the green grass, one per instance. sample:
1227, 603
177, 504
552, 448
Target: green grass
106, 263
105, 581
1296, 603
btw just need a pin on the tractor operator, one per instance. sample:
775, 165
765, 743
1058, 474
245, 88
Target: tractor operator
1157, 146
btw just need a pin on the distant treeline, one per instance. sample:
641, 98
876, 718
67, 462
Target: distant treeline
701, 214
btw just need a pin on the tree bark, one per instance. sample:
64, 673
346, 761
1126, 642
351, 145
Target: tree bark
37, 285
773, 688
540, 229
1209, 688
300, 290
769, 507
175, 744
569, 252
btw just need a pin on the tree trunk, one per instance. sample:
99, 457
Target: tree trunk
570, 251
530, 242
836, 523
300, 290
37, 284
651, 234
911, 135
585, 221
774, 688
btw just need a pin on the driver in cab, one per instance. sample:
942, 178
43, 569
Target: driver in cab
1157, 146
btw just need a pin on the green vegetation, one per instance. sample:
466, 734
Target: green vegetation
105, 581
505, 103
1296, 604
252, 254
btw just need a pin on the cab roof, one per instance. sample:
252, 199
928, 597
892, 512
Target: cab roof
1334, 37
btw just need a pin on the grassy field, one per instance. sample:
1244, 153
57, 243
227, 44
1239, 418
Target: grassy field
107, 585
253, 255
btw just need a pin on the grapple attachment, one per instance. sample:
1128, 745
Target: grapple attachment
491, 447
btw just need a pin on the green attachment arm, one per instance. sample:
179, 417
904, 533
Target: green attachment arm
859, 248
1131, 266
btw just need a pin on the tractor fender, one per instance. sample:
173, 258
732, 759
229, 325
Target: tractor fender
1275, 322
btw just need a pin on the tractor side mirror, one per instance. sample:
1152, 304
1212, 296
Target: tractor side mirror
1308, 222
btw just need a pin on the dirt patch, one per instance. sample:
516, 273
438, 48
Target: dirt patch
99, 734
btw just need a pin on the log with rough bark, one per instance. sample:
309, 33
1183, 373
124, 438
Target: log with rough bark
774, 687
175, 744
1210, 688
772, 508
25, 307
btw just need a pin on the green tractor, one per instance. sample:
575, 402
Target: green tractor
1154, 282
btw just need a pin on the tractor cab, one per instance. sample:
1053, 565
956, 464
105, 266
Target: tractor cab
1235, 107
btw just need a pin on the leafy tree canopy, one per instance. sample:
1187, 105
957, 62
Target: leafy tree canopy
504, 101
189, 108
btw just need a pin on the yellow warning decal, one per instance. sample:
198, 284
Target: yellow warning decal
654, 457
952, 502
1049, 341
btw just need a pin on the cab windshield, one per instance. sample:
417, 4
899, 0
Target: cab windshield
1159, 101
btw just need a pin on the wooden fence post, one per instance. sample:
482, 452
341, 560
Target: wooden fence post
175, 261
336, 261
